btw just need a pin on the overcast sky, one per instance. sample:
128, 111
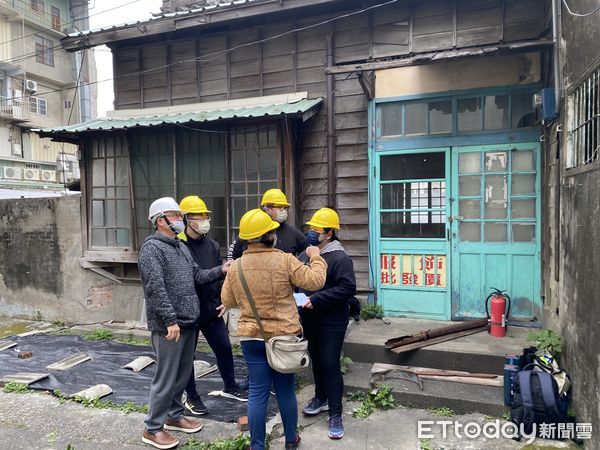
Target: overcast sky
139, 10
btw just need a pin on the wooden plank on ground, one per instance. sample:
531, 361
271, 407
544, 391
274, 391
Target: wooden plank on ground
427, 343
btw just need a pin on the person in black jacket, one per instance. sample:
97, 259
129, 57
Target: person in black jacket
289, 238
325, 317
205, 253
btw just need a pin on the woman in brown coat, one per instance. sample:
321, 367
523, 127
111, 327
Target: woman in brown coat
271, 276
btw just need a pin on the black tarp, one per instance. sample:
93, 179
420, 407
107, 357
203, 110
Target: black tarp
105, 367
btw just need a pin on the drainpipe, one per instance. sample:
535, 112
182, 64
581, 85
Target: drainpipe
331, 159
556, 50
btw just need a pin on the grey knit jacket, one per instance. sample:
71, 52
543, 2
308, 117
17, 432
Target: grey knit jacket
169, 275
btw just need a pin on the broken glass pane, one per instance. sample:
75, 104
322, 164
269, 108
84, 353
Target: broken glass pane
523, 113
496, 112
469, 114
440, 117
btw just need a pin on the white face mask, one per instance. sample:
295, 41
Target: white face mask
178, 226
201, 226
281, 216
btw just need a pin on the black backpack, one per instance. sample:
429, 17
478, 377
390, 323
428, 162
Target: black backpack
536, 400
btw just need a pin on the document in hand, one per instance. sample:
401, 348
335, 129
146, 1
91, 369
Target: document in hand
300, 298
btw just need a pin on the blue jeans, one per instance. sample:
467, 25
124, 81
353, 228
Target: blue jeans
261, 379
215, 333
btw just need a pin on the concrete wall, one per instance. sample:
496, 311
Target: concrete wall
579, 283
40, 271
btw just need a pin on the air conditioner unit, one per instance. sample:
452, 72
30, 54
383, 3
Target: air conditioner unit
12, 173
31, 174
31, 86
49, 176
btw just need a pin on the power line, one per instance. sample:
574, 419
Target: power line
580, 14
73, 21
214, 55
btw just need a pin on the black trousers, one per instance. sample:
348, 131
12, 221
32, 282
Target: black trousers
215, 333
325, 349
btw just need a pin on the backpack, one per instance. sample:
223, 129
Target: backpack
536, 400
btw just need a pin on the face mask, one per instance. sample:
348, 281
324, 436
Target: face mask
177, 226
282, 216
201, 227
314, 237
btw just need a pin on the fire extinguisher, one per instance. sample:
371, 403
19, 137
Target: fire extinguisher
500, 310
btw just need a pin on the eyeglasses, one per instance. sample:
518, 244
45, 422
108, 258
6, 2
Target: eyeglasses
174, 215
198, 217
278, 207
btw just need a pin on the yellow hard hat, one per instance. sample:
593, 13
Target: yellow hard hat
194, 204
325, 218
255, 223
274, 197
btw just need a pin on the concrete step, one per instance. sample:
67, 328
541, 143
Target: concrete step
478, 352
459, 397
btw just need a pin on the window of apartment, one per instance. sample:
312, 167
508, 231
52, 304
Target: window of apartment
37, 5
55, 18
584, 131
38, 106
44, 50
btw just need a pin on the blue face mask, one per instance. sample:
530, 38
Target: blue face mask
313, 237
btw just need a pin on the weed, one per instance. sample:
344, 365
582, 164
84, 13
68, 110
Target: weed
63, 332
240, 442
425, 444
38, 316
237, 350
505, 416
371, 311
70, 447
443, 411
345, 362
571, 413
59, 324
357, 396
546, 340
380, 398
203, 347
16, 388
127, 407
101, 334
52, 437
132, 340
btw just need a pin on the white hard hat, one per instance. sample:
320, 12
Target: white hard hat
161, 206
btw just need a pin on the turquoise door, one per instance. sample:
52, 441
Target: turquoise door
495, 231
411, 219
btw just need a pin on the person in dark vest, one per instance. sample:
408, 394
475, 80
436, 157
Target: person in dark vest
289, 238
205, 252
325, 317
169, 279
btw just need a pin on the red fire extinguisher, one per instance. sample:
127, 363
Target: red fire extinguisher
500, 310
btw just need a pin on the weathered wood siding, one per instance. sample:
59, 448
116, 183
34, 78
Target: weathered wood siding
296, 62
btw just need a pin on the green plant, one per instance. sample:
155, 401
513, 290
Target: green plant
16, 388
59, 324
132, 340
380, 398
38, 316
237, 350
63, 332
101, 334
505, 416
127, 407
443, 411
425, 444
240, 442
203, 347
546, 340
571, 413
345, 362
371, 311
357, 396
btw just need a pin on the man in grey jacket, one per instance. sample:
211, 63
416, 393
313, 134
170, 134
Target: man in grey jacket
169, 275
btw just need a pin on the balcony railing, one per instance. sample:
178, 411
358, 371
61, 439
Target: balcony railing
16, 109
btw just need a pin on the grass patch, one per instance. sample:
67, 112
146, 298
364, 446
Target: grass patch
101, 334
505, 416
127, 407
133, 340
63, 332
203, 347
425, 444
380, 398
16, 388
371, 311
442, 412
240, 442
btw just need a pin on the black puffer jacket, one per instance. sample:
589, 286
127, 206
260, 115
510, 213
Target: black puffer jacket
169, 277
289, 240
205, 252
330, 304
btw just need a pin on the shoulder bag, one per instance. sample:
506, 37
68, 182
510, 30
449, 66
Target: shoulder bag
285, 354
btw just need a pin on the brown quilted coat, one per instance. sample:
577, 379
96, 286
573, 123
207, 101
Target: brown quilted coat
271, 276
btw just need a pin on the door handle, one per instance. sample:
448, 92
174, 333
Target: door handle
453, 218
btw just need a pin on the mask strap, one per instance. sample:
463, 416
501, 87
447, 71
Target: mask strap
171, 227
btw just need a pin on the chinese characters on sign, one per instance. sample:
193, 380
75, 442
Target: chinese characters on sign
413, 271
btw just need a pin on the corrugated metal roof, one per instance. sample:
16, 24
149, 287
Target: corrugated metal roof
207, 8
280, 109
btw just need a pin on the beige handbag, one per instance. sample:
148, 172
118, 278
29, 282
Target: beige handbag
285, 354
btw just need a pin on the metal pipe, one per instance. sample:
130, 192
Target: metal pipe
556, 50
331, 158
